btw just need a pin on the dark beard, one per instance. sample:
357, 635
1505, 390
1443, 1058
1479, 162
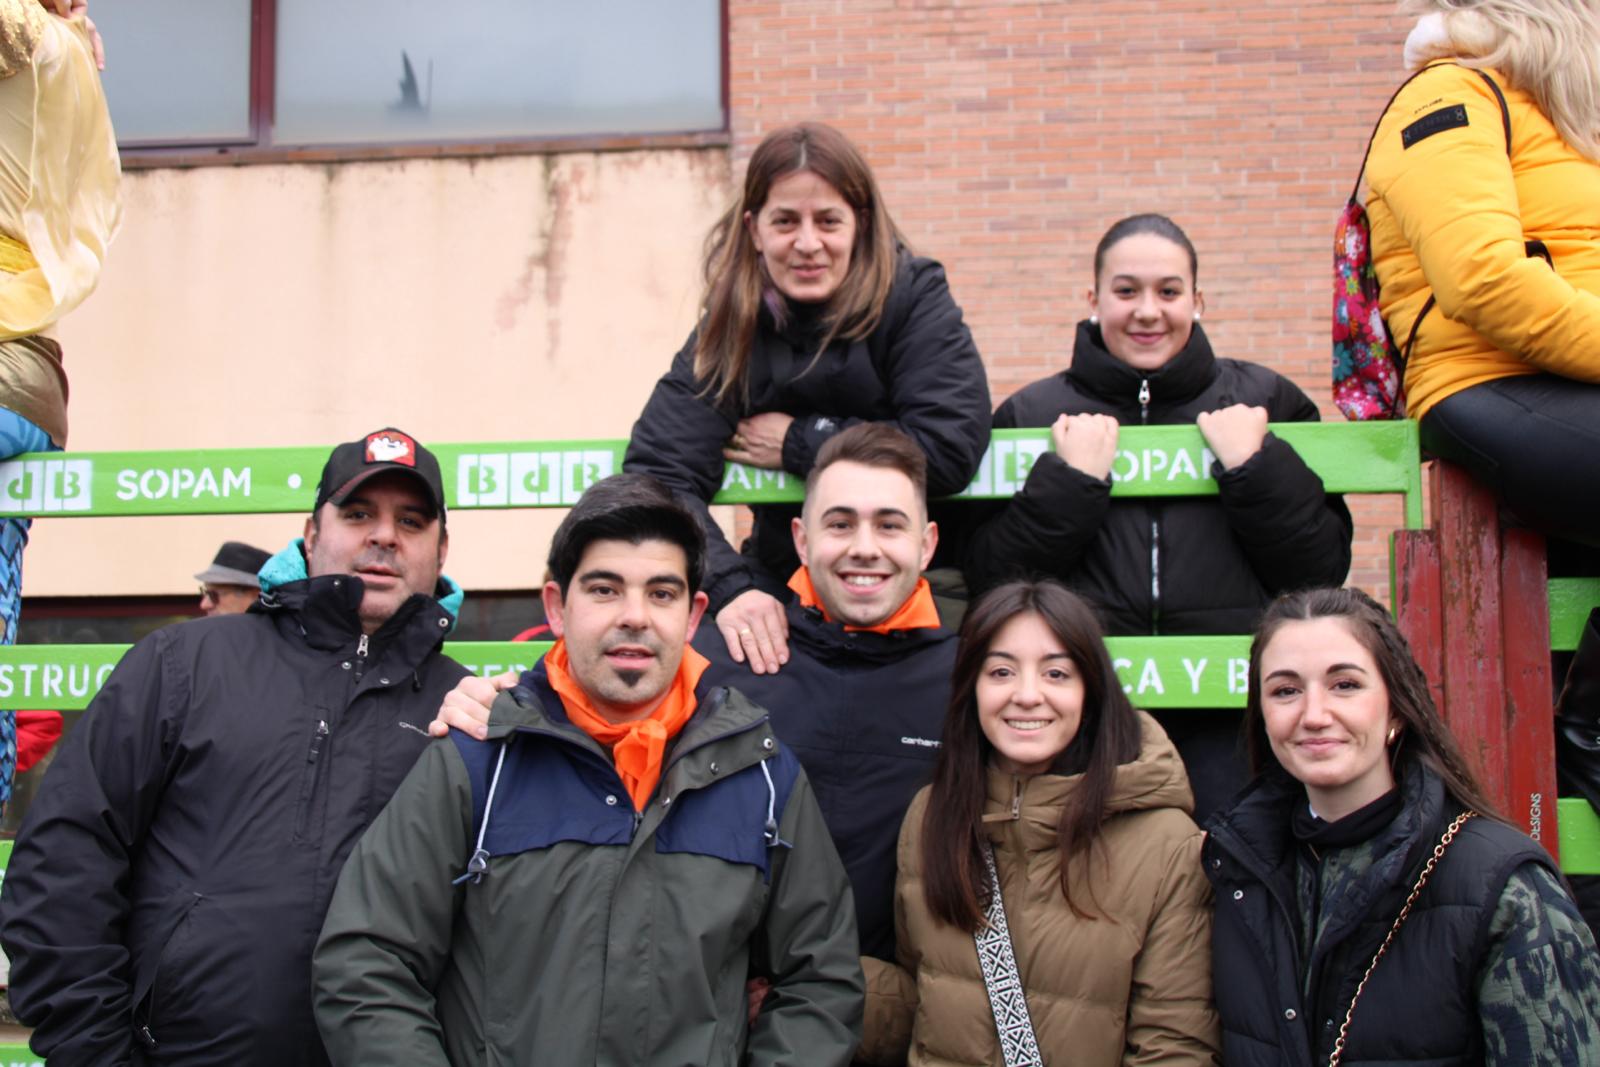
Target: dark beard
629, 678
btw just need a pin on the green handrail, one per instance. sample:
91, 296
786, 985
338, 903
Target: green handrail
1373, 457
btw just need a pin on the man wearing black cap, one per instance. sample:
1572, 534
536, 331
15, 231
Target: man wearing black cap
231, 584
170, 878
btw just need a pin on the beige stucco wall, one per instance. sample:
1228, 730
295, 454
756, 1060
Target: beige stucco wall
511, 298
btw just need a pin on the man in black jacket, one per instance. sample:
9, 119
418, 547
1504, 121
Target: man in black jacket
862, 699
170, 878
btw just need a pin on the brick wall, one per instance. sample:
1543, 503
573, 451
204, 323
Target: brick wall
1008, 136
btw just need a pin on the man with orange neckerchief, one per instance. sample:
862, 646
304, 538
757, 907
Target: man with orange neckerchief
593, 881
862, 698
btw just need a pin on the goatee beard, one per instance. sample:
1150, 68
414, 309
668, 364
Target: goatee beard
629, 678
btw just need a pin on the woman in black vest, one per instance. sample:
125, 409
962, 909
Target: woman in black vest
1360, 786
816, 317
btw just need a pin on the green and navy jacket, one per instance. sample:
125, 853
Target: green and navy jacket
512, 905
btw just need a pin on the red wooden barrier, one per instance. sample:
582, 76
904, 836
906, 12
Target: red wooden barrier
1471, 598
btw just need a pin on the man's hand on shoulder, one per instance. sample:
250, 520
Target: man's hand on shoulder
466, 707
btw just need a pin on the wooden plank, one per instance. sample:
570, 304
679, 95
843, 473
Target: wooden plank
1466, 518
1419, 602
1571, 600
1161, 461
1529, 710
1580, 837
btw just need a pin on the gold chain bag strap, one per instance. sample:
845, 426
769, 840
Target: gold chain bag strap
1405, 910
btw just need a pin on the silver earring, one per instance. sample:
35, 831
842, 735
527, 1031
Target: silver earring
1094, 320
1197, 316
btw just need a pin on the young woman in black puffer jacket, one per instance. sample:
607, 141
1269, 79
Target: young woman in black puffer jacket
1183, 565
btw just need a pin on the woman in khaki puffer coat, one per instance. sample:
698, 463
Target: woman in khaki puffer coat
1044, 758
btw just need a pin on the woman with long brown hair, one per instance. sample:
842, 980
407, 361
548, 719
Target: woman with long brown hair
1056, 833
816, 317
1371, 906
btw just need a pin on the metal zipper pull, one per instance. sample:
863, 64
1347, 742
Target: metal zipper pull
316, 741
1144, 399
1016, 797
361, 656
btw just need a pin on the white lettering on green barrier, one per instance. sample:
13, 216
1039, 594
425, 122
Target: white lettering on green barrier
182, 483
1151, 461
1006, 463
738, 479
1181, 672
529, 479
42, 486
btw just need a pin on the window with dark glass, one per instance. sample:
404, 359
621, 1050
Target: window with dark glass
309, 74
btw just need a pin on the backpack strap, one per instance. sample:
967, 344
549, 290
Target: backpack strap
1505, 122
1500, 98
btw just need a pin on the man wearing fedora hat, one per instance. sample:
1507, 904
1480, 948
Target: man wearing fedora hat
231, 584
170, 878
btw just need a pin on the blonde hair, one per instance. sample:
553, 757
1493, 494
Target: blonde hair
1549, 48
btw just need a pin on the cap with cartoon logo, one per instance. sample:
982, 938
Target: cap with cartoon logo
383, 450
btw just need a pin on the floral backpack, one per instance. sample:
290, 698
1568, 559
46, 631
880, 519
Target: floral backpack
1368, 371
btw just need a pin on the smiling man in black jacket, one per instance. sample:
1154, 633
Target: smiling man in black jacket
170, 878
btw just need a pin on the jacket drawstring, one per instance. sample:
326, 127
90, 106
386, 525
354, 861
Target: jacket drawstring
771, 831
478, 865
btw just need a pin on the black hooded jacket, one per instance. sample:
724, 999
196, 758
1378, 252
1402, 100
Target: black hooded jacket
1178, 565
919, 370
863, 712
171, 877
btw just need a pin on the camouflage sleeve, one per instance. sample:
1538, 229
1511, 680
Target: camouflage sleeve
1539, 990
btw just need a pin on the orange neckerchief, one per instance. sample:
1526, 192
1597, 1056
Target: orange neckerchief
917, 613
637, 747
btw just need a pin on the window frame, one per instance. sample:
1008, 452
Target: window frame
261, 148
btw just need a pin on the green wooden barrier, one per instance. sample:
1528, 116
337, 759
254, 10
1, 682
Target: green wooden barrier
1156, 672
1376, 457
1571, 600
1579, 828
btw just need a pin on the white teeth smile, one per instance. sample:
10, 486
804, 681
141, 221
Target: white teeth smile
862, 579
1027, 724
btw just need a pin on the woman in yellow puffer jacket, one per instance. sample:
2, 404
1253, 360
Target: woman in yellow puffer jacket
1082, 806
1486, 240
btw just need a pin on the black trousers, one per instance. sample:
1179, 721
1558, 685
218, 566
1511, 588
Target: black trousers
1536, 441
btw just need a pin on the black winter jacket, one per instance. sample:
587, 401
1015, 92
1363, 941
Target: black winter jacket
863, 712
1180, 565
170, 878
1282, 1003
919, 369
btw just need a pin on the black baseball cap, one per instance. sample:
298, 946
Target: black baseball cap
383, 450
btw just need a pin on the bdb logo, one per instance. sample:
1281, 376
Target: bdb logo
37, 486
529, 479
